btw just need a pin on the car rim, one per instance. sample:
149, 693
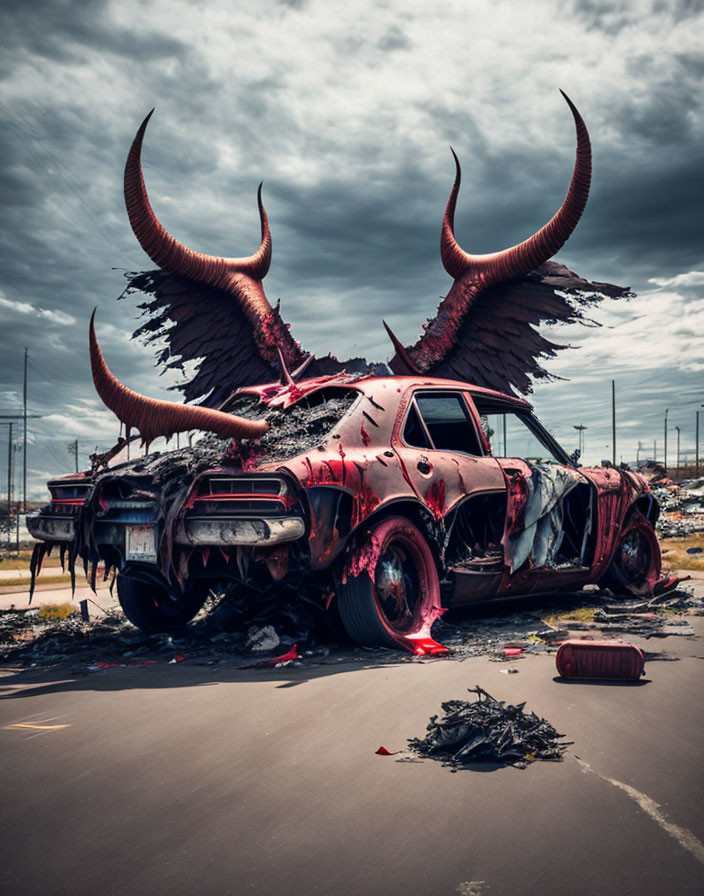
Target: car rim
634, 556
397, 587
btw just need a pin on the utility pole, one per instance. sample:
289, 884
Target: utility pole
678, 449
17, 515
613, 420
24, 448
665, 462
9, 484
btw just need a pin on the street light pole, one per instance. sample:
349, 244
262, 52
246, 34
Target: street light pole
665, 462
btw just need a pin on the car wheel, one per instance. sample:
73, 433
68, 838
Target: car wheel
152, 608
383, 605
635, 565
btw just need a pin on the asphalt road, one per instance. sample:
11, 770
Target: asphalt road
179, 779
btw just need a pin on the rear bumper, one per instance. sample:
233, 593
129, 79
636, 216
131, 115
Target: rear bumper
47, 527
196, 531
259, 532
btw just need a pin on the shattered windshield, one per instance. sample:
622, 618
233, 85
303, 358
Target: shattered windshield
298, 428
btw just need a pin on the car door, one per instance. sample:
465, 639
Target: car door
550, 504
442, 451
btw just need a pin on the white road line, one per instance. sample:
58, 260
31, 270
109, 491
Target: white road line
684, 837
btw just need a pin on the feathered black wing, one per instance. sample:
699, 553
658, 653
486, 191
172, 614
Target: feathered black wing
498, 344
202, 324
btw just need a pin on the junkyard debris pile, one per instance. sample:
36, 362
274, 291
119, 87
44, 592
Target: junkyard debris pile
489, 730
682, 507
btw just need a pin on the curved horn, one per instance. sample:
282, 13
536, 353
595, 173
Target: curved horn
166, 251
161, 418
401, 362
532, 252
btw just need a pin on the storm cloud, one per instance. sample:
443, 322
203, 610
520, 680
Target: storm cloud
347, 114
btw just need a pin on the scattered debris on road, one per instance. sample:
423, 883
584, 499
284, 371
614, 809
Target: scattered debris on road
239, 631
489, 730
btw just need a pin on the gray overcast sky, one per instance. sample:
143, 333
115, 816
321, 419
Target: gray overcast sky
346, 111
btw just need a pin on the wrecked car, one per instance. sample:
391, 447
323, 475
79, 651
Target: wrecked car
387, 491
398, 495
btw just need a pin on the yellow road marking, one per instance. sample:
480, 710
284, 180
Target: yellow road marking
34, 727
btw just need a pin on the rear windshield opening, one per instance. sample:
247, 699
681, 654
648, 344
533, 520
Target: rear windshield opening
298, 428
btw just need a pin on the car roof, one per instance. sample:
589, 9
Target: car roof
287, 394
419, 382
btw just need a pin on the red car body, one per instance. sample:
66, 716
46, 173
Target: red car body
405, 490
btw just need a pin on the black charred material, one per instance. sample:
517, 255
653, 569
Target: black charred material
488, 730
295, 430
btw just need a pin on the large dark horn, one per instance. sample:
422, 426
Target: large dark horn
166, 251
153, 418
528, 255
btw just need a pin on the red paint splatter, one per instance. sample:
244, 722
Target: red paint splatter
282, 660
309, 465
421, 643
249, 463
435, 498
364, 557
365, 436
341, 451
365, 501
331, 470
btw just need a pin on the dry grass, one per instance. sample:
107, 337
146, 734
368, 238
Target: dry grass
675, 556
22, 562
578, 614
56, 611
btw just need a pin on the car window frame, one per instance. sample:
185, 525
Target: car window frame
527, 416
464, 398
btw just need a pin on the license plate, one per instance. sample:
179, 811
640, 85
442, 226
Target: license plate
141, 543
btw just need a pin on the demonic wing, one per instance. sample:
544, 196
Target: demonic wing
484, 331
209, 310
213, 311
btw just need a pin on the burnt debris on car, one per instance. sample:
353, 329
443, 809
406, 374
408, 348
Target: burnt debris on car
390, 494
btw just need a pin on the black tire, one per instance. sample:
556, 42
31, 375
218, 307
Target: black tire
387, 603
635, 565
152, 608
